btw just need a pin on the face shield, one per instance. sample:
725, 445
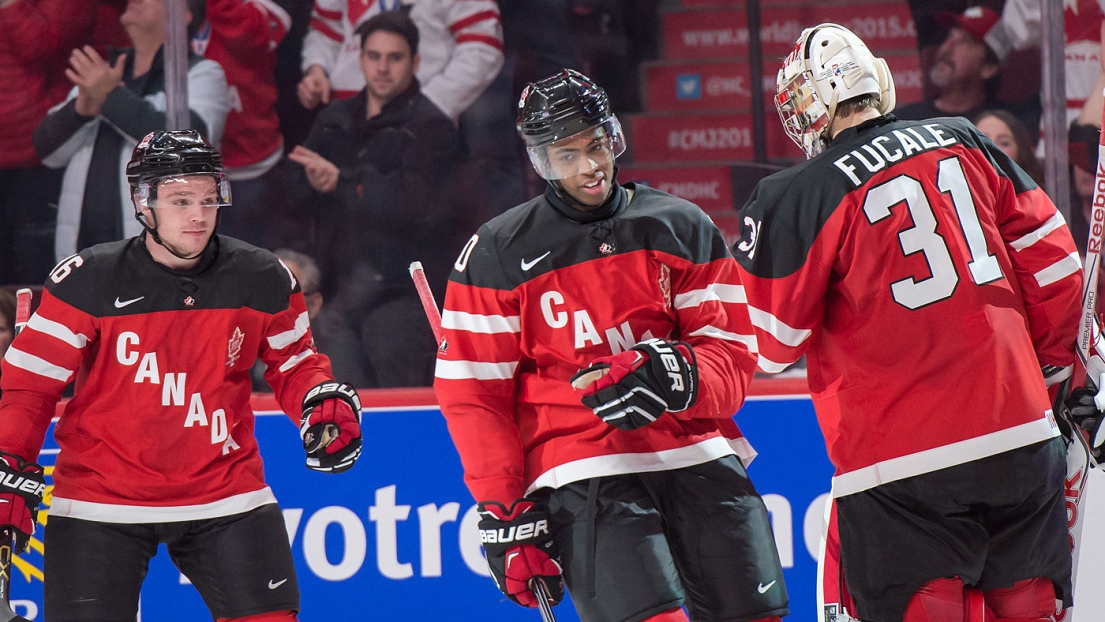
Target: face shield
803, 114
579, 153
182, 192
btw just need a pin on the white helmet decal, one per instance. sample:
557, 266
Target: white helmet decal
829, 65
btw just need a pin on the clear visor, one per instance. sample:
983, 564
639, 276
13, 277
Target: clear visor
580, 153
803, 114
184, 191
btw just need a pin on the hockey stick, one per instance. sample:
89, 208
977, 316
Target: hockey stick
541, 593
22, 316
429, 305
418, 275
1089, 370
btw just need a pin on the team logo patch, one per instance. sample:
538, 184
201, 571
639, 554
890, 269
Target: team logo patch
189, 301
234, 347
606, 248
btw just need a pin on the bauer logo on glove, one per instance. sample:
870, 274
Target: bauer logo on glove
632, 389
331, 427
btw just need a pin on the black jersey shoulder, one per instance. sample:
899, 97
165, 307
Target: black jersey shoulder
533, 238
121, 278
788, 210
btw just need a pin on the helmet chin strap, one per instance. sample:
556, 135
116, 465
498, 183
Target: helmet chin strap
157, 238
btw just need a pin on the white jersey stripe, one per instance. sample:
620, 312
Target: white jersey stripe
296, 360
644, 462
488, 324
118, 513
282, 340
769, 366
713, 332
29, 362
474, 370
784, 334
938, 458
715, 291
1059, 270
57, 331
1029, 239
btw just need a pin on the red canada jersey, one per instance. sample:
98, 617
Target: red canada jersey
927, 279
540, 292
159, 427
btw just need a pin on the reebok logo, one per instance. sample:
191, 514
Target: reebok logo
119, 304
275, 584
526, 265
761, 588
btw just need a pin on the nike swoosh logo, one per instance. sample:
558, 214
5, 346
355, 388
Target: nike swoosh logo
119, 304
275, 584
526, 265
761, 588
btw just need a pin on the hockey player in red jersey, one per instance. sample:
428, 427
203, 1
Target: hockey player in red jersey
928, 280
633, 485
158, 333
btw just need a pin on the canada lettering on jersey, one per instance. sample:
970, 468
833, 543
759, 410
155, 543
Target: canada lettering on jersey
886, 149
173, 391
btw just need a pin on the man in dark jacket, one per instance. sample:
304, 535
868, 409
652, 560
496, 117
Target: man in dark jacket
375, 168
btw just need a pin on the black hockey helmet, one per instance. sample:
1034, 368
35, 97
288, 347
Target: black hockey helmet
560, 106
167, 154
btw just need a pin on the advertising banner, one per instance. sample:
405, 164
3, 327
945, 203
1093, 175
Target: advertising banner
395, 538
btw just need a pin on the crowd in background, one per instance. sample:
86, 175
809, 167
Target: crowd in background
266, 82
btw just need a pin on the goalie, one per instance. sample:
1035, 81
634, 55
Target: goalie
927, 279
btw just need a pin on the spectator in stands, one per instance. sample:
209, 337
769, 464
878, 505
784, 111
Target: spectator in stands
376, 167
1012, 137
462, 50
1082, 25
242, 37
932, 29
31, 34
967, 69
462, 54
114, 102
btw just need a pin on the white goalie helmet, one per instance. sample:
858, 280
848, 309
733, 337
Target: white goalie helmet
829, 65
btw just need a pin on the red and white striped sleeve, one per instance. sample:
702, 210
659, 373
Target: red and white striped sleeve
1048, 269
476, 58
323, 41
713, 318
293, 364
475, 384
36, 368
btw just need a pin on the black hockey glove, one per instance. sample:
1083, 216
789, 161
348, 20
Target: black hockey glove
519, 549
331, 427
1087, 416
21, 488
632, 389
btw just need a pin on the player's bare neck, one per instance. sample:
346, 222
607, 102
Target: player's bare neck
162, 256
842, 123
